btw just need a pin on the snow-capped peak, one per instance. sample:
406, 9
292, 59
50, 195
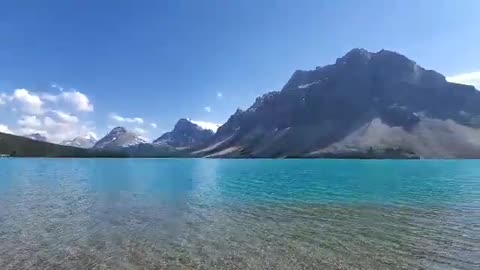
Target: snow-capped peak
119, 137
86, 141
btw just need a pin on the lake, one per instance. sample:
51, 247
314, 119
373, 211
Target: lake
239, 214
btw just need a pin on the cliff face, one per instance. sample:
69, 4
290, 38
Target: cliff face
366, 104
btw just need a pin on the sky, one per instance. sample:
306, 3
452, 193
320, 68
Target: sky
70, 68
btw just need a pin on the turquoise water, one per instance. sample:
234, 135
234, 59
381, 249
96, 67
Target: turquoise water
239, 214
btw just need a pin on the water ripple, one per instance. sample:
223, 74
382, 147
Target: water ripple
239, 214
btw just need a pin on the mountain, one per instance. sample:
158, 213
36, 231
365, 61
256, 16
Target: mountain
37, 137
185, 134
19, 146
119, 137
87, 141
365, 105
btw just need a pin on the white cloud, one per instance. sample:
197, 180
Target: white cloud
472, 78
49, 122
76, 100
3, 98
207, 108
219, 95
57, 130
65, 117
33, 103
29, 102
56, 86
79, 100
153, 125
5, 129
121, 119
30, 122
139, 131
49, 97
56, 126
207, 125
49, 114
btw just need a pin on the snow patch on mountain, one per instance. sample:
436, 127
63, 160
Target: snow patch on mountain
308, 84
87, 141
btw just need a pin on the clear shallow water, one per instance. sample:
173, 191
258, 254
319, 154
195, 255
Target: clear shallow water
239, 214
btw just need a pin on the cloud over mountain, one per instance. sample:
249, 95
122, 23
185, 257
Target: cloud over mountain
471, 78
206, 125
53, 115
5, 129
27, 102
74, 99
131, 120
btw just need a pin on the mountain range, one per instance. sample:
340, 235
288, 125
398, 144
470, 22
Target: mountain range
365, 105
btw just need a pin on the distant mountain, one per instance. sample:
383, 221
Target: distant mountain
19, 146
87, 141
36, 137
365, 105
185, 134
119, 137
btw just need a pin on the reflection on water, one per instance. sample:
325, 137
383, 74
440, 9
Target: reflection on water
239, 214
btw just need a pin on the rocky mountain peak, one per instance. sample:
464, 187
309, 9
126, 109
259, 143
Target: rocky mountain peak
357, 55
185, 134
184, 123
117, 130
119, 137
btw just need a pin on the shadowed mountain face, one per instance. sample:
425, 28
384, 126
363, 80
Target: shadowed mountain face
185, 134
328, 112
119, 137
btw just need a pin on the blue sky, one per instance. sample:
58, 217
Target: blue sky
147, 63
